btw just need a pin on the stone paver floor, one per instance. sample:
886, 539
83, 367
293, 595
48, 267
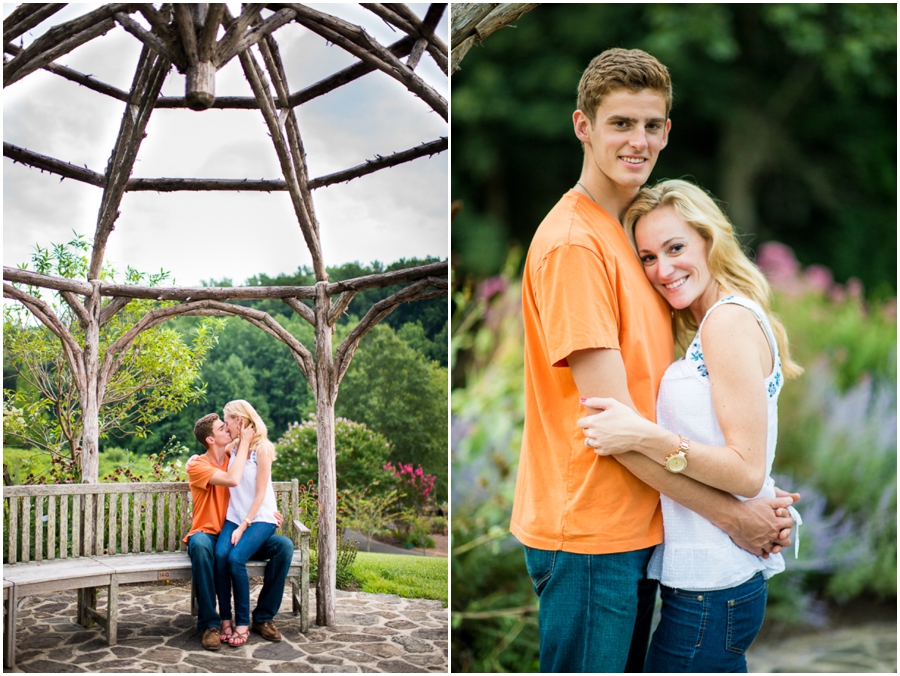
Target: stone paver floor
374, 633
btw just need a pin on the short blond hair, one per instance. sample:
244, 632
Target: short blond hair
630, 69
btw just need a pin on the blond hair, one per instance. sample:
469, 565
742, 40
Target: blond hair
242, 409
614, 69
728, 263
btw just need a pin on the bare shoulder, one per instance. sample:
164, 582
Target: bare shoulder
732, 335
728, 320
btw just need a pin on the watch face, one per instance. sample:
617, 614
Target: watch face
676, 463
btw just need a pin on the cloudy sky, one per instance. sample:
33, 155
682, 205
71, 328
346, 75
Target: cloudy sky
394, 213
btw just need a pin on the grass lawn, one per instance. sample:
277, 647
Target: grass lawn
412, 577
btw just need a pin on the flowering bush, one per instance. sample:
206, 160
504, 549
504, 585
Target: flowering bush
360, 453
413, 484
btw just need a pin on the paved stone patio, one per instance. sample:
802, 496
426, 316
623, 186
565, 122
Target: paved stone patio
374, 633
870, 648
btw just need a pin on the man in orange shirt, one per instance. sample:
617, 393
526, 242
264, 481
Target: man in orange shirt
210, 477
594, 326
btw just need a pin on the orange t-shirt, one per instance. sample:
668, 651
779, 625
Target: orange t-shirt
210, 501
584, 287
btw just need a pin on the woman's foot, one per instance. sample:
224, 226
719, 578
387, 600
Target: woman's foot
240, 636
225, 631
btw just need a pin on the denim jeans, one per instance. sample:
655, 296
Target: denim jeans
707, 631
231, 568
595, 609
201, 550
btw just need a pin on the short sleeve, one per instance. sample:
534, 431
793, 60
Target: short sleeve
200, 472
576, 302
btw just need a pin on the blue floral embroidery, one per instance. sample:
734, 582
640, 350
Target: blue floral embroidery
777, 379
697, 355
772, 389
703, 371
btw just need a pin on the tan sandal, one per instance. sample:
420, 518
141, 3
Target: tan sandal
225, 631
239, 638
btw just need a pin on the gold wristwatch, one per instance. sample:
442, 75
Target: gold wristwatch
677, 462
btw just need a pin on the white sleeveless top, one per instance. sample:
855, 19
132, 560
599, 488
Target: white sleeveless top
696, 555
243, 494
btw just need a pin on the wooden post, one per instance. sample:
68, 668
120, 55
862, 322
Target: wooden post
325, 387
200, 86
90, 395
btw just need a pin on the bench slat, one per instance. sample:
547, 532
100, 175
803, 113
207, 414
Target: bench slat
123, 535
26, 528
89, 525
160, 522
148, 522
63, 526
51, 527
13, 529
173, 521
39, 528
136, 523
185, 499
99, 530
113, 507
77, 511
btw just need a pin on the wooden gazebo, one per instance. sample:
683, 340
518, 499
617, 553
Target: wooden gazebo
198, 40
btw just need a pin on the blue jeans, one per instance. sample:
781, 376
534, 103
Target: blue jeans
258, 542
201, 549
595, 609
707, 631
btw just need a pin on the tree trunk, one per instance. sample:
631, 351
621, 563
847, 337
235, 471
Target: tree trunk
325, 391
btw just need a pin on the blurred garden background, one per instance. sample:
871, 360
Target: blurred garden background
786, 113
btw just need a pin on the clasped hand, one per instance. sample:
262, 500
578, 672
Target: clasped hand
615, 429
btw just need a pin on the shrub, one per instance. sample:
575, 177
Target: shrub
360, 454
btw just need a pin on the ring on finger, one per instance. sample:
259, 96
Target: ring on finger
587, 442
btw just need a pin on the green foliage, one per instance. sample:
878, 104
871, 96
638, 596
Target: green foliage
786, 112
346, 555
412, 577
837, 447
360, 454
154, 378
370, 512
399, 393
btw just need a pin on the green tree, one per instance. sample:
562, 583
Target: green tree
786, 112
155, 377
401, 394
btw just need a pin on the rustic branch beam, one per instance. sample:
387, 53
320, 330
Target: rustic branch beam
429, 24
206, 46
112, 307
359, 43
204, 184
370, 166
379, 311
148, 80
155, 19
61, 40
185, 25
308, 226
73, 75
83, 288
401, 16
273, 23
236, 29
78, 307
339, 306
26, 16
154, 42
389, 278
473, 22
301, 309
45, 163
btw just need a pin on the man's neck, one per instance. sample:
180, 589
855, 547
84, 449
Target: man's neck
216, 453
613, 198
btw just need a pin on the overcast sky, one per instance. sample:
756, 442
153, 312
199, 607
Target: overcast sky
394, 213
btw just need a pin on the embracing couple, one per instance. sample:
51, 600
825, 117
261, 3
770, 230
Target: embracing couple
234, 520
616, 272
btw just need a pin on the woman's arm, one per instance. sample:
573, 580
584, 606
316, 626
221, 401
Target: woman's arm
738, 359
263, 474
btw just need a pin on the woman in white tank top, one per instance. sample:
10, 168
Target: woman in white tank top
717, 424
249, 522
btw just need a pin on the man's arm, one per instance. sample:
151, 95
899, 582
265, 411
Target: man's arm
753, 525
232, 477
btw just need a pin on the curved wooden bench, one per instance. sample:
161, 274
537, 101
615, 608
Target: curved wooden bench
87, 536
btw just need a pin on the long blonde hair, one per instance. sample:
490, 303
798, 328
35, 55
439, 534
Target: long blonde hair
242, 409
728, 263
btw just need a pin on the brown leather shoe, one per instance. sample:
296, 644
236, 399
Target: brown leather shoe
267, 630
210, 639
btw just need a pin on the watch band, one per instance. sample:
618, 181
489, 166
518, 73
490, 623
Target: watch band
677, 461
